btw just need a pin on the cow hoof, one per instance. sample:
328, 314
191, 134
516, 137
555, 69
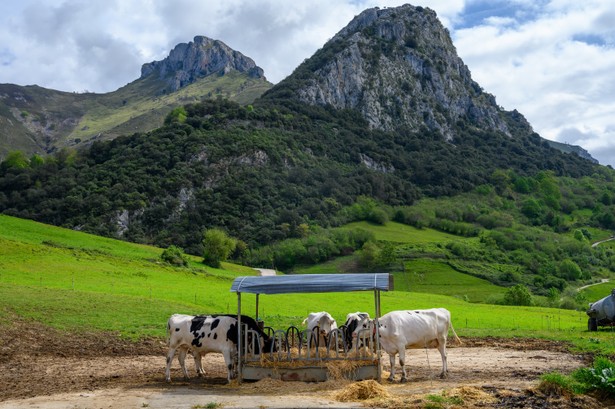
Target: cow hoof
403, 380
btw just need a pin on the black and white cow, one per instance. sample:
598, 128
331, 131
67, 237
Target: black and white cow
413, 329
325, 323
202, 334
351, 328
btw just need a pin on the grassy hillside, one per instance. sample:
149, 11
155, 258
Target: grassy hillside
432, 273
75, 280
39, 120
78, 282
139, 106
598, 291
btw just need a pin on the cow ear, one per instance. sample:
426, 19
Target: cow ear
364, 315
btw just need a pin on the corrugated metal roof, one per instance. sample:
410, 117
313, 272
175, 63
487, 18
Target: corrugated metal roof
312, 283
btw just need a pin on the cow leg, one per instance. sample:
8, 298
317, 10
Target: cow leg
442, 349
402, 363
167, 372
230, 366
197, 363
234, 363
392, 360
182, 361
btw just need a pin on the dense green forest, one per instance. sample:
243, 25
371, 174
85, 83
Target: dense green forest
263, 172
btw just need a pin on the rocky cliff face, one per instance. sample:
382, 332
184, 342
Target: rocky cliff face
399, 68
188, 62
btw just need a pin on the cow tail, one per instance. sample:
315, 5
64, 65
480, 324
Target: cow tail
456, 339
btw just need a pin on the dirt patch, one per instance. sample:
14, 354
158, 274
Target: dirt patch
44, 368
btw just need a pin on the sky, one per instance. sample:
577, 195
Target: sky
552, 60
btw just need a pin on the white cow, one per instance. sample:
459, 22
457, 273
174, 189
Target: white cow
414, 329
325, 323
202, 334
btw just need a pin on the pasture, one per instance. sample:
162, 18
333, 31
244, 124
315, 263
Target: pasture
110, 300
75, 281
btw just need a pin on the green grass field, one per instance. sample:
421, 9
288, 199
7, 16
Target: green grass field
80, 282
437, 277
402, 233
598, 291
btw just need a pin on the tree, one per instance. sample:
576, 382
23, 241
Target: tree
15, 159
178, 114
569, 270
217, 246
518, 295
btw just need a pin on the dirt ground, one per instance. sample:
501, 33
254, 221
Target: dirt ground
43, 368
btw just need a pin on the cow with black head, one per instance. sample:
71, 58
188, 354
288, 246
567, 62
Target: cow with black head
202, 334
355, 322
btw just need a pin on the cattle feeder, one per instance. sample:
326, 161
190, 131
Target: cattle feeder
298, 354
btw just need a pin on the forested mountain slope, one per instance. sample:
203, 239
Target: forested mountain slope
306, 149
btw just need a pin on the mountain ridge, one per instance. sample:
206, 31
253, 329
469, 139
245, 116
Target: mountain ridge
37, 120
200, 58
261, 171
399, 68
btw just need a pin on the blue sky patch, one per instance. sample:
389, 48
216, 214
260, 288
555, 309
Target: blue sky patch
6, 57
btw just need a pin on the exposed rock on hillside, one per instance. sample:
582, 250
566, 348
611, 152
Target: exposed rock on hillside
188, 62
399, 68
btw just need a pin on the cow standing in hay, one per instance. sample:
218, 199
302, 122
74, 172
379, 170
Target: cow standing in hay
203, 334
413, 329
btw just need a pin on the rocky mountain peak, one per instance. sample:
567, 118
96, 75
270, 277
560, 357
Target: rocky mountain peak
399, 68
188, 62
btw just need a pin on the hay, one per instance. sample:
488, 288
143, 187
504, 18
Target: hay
473, 394
343, 369
318, 358
362, 390
266, 384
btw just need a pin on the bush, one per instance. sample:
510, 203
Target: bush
175, 256
376, 256
599, 378
569, 270
518, 295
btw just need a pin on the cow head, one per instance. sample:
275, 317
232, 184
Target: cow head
363, 322
326, 323
353, 324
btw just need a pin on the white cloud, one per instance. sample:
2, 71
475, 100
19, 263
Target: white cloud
555, 68
100, 45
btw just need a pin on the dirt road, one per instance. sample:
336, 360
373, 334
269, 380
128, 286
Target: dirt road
58, 371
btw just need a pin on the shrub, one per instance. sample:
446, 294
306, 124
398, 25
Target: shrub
569, 270
518, 295
599, 378
175, 256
